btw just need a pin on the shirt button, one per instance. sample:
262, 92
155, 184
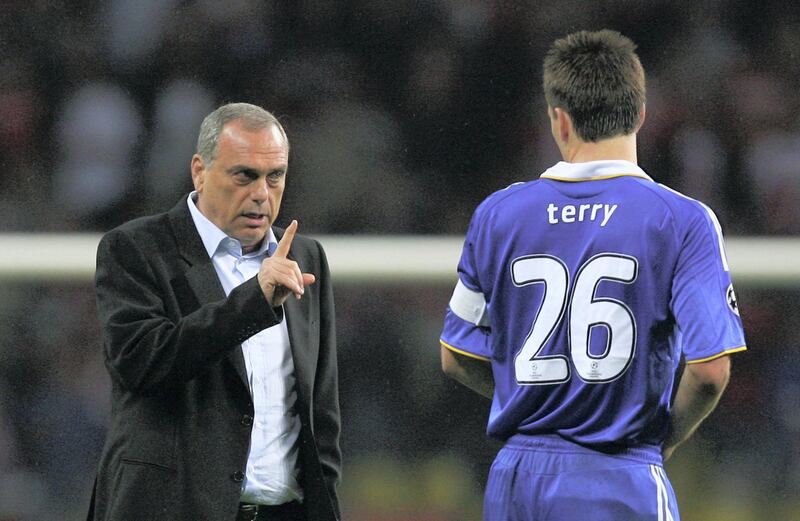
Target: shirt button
247, 420
238, 476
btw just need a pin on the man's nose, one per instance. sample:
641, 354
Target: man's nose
260, 191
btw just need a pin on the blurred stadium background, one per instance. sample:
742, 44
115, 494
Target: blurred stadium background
402, 115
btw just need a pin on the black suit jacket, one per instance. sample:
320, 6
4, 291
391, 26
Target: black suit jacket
181, 408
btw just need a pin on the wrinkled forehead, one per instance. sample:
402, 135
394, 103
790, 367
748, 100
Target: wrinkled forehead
273, 128
269, 138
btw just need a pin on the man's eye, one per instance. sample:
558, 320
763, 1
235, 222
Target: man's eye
275, 175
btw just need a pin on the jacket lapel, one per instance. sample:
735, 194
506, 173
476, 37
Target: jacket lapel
201, 277
298, 341
297, 325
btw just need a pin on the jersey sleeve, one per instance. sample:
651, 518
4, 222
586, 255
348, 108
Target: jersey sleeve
466, 325
703, 301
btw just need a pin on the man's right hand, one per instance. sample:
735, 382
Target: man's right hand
280, 276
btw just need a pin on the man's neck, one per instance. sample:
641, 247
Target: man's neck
620, 147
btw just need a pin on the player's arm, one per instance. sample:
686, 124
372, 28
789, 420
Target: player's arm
699, 391
466, 339
471, 372
704, 305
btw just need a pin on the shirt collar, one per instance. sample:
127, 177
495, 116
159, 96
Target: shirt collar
593, 170
215, 239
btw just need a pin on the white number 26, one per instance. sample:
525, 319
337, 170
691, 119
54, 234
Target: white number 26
585, 312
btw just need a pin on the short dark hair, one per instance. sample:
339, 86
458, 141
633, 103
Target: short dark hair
252, 116
597, 78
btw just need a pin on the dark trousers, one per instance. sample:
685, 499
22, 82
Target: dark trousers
293, 511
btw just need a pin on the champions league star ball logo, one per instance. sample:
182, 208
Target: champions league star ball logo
732, 303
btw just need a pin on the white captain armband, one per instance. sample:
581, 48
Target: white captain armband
469, 305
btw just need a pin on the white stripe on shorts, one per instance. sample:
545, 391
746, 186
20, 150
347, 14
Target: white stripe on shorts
664, 513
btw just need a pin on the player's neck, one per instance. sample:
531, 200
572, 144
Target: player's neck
620, 147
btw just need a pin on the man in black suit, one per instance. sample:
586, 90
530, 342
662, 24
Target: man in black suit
220, 343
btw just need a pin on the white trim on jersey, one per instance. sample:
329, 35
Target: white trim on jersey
664, 513
469, 305
718, 228
714, 221
593, 170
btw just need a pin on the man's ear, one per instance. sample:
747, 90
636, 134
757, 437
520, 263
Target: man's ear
198, 172
564, 124
642, 113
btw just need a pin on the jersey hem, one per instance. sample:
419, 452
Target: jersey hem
554, 443
462, 352
718, 355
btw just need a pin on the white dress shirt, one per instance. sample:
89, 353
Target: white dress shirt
271, 473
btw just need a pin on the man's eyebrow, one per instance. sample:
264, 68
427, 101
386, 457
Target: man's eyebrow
243, 168
249, 170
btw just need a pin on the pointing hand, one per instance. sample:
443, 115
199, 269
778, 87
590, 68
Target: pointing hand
280, 276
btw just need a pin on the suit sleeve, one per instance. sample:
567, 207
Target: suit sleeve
146, 349
326, 387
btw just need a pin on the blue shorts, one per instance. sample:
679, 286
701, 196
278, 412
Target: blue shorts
546, 478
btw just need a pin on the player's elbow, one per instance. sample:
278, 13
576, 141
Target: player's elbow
711, 377
456, 366
450, 365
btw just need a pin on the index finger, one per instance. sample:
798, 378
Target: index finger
286, 241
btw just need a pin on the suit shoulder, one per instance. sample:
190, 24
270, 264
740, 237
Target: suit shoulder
149, 224
301, 244
309, 242
150, 234
308, 252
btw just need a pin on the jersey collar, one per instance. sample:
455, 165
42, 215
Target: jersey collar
593, 171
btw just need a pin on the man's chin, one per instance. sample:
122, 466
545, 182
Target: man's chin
251, 241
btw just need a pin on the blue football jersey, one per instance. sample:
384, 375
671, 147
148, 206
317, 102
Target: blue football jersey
584, 288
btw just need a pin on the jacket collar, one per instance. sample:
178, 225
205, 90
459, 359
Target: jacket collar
188, 240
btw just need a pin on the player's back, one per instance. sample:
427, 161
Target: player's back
578, 271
